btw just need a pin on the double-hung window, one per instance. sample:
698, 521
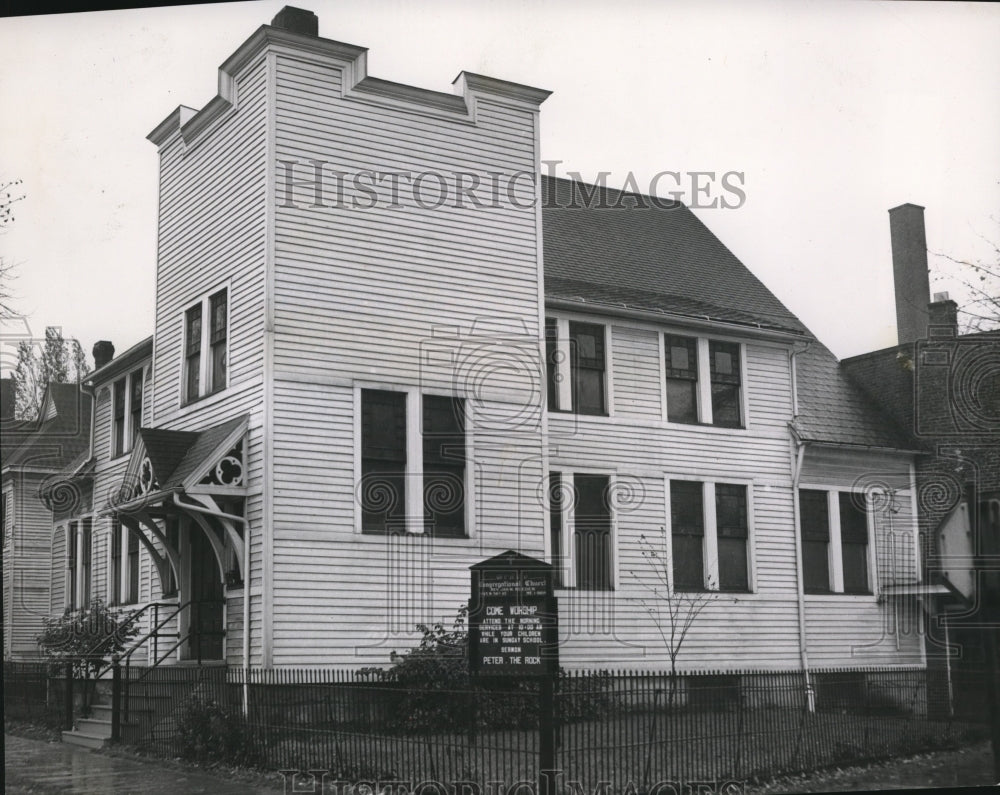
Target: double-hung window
704, 381
854, 541
576, 367
814, 517
724, 364
79, 559
710, 536
126, 410
682, 378
687, 529
206, 333
587, 367
117, 572
401, 452
834, 533
580, 527
444, 465
132, 556
731, 531
383, 461
592, 533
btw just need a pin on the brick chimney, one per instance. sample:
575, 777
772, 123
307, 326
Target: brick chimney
943, 314
103, 352
297, 20
909, 269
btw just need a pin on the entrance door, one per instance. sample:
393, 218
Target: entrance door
207, 628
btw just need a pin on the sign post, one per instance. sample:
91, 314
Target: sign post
514, 632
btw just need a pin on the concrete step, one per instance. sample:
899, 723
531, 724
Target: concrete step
96, 728
83, 739
135, 712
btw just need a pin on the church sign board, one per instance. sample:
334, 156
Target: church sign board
513, 617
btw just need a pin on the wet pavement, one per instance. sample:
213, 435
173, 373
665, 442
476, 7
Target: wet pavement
37, 766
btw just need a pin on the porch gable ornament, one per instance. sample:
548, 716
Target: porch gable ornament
147, 479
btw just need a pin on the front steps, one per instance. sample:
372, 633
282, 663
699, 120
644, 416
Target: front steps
95, 731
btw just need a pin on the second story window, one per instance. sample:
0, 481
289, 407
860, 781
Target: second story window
118, 410
206, 332
682, 378
724, 363
126, 411
587, 368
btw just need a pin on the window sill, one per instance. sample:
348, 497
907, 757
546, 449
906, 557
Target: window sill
205, 400
654, 422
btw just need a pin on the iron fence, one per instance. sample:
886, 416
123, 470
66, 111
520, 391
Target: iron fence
623, 728
32, 693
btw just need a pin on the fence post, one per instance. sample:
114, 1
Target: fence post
546, 735
116, 699
68, 698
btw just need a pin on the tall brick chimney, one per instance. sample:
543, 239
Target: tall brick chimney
909, 269
297, 20
103, 352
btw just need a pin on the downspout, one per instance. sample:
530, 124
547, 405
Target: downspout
798, 452
246, 589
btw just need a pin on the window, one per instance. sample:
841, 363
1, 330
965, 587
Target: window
592, 533
72, 560
710, 536
682, 378
383, 460
815, 522
217, 342
587, 367
556, 509
118, 429
552, 362
724, 365
406, 439
126, 412
171, 534
444, 465
116, 564
834, 528
854, 542
79, 553
133, 569
732, 530
192, 352
687, 528
135, 405
86, 559
205, 346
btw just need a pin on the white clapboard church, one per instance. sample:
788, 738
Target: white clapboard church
360, 384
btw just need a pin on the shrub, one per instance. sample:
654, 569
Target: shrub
429, 688
214, 732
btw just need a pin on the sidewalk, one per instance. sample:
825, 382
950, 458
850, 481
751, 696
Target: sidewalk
36, 766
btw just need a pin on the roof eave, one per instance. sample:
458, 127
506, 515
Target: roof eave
138, 352
662, 316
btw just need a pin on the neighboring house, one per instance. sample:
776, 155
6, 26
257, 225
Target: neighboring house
944, 388
353, 396
39, 451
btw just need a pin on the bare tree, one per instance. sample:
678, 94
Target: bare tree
979, 308
8, 197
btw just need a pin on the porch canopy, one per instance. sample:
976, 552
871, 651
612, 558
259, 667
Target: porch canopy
185, 476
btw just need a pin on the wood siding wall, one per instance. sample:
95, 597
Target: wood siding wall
403, 296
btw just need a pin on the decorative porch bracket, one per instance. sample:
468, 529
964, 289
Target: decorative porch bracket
158, 560
206, 507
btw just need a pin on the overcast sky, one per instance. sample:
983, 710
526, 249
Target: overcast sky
833, 111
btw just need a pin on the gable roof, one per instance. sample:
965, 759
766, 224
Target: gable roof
609, 252
176, 455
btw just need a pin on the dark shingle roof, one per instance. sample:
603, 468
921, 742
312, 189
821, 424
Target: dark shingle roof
666, 254
61, 433
667, 260
175, 455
